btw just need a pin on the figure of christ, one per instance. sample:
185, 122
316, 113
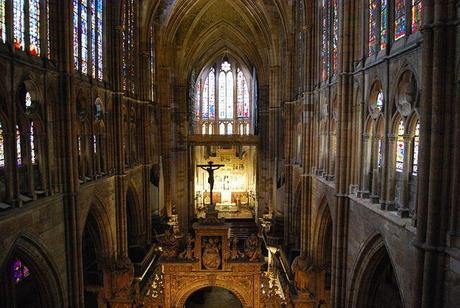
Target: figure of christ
210, 168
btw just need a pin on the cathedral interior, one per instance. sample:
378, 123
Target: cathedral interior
229, 153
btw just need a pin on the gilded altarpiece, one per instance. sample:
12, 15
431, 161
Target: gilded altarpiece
212, 266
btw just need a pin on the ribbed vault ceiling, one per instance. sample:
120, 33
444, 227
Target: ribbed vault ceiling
199, 31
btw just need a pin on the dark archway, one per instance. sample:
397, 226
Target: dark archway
375, 283
135, 227
92, 272
383, 288
212, 297
28, 278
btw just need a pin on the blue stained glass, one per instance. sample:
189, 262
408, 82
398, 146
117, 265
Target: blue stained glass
2, 21
100, 32
18, 19
34, 27
76, 35
93, 38
84, 35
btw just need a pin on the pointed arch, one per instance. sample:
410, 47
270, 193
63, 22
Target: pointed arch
372, 264
33, 253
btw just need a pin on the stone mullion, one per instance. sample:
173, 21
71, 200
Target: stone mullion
375, 169
389, 174
365, 161
403, 209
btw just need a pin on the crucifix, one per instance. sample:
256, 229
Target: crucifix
210, 168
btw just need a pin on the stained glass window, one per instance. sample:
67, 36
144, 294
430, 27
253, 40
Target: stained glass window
34, 27
226, 91
233, 99
242, 95
18, 146
2, 21
19, 271
415, 148
2, 147
373, 40
212, 94
383, 24
33, 154
128, 59
416, 15
335, 35
19, 24
400, 148
325, 40
88, 32
400, 18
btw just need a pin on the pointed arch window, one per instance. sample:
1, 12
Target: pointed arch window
209, 96
383, 24
415, 148
229, 110
400, 147
242, 95
88, 37
226, 91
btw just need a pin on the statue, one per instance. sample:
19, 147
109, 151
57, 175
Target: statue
188, 253
168, 243
303, 269
210, 168
234, 252
252, 248
211, 254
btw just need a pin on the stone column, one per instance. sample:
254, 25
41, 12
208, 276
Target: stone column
438, 30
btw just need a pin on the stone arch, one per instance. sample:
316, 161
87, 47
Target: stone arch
135, 224
184, 294
96, 250
36, 257
98, 212
373, 258
323, 251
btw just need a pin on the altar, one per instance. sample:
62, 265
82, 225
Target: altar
234, 181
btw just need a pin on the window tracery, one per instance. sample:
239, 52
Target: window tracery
88, 37
233, 98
